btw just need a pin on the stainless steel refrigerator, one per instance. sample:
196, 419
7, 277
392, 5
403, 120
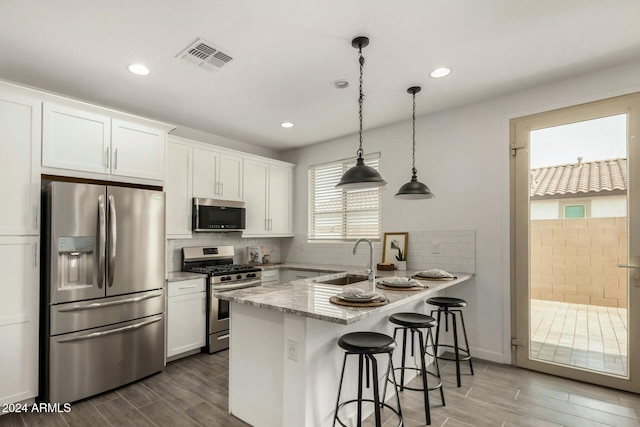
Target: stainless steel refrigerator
102, 283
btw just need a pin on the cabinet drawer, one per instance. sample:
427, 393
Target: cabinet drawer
270, 276
185, 287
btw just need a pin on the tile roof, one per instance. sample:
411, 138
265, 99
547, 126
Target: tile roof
580, 178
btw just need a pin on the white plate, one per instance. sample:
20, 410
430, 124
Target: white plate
350, 298
399, 285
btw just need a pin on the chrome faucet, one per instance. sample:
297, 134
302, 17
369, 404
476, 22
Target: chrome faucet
370, 270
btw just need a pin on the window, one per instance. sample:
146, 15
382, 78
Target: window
574, 211
336, 214
580, 208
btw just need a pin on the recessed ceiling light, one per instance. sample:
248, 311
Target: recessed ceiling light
341, 84
138, 69
286, 125
440, 72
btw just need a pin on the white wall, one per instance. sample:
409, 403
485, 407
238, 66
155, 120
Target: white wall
601, 207
463, 156
609, 207
221, 141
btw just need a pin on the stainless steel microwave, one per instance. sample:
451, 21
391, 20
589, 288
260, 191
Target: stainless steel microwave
218, 215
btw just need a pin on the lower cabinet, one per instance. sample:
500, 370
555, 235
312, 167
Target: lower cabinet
186, 316
19, 298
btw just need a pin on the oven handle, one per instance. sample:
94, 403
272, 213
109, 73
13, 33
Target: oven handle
112, 331
110, 303
222, 337
240, 285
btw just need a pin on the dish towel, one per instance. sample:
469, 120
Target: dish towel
434, 273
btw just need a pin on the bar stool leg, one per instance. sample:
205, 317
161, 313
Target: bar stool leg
395, 385
376, 391
360, 365
404, 353
454, 321
466, 341
435, 362
425, 386
335, 414
435, 345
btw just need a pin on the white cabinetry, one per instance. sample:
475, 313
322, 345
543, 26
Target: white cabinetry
217, 175
19, 292
178, 187
86, 141
20, 133
271, 277
20, 119
267, 193
186, 316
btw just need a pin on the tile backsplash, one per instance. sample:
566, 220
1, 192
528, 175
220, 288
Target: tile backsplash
239, 244
456, 250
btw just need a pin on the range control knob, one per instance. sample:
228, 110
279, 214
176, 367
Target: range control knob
251, 275
239, 276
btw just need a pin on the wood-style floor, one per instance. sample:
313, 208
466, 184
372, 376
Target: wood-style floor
193, 392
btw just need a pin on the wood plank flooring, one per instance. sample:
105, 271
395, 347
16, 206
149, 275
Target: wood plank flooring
193, 392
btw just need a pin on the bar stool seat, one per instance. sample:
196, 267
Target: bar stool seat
414, 322
366, 345
451, 307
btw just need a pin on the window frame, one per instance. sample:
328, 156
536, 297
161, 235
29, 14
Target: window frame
371, 159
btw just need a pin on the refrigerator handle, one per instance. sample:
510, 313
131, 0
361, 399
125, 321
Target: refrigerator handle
111, 331
102, 239
113, 233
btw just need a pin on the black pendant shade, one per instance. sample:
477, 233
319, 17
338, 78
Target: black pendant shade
360, 176
414, 189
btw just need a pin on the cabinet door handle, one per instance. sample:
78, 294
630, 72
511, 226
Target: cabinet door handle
188, 287
271, 224
35, 255
106, 158
221, 188
35, 217
115, 160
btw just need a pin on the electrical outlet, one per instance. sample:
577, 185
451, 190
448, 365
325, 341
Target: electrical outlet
292, 349
435, 247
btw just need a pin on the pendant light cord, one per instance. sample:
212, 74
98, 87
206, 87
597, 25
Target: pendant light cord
360, 98
413, 165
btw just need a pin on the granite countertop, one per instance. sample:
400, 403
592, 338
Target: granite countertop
310, 299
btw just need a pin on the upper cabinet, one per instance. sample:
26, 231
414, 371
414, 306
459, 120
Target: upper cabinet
217, 175
179, 187
20, 119
268, 198
195, 170
74, 139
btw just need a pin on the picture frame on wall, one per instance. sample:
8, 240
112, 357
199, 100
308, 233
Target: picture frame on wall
395, 245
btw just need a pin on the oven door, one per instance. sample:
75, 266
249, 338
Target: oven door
219, 314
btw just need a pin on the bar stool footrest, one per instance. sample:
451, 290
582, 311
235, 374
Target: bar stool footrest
465, 356
401, 387
395, 411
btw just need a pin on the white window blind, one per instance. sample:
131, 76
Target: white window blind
336, 214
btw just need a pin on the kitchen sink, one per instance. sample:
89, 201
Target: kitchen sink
346, 280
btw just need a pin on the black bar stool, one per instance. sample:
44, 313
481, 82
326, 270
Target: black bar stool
451, 306
366, 345
414, 322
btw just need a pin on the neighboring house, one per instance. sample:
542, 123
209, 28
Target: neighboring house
594, 189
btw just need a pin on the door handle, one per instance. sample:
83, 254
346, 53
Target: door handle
628, 266
95, 305
112, 239
106, 158
221, 188
110, 332
102, 239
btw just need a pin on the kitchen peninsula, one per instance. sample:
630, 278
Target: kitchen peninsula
284, 361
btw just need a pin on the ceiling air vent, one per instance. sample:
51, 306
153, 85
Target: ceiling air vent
205, 55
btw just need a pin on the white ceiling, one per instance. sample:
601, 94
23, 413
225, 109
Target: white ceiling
287, 53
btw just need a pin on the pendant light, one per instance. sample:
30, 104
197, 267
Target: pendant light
414, 189
360, 176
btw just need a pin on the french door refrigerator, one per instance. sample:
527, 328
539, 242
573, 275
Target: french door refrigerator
102, 283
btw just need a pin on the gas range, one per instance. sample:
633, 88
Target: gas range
217, 263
